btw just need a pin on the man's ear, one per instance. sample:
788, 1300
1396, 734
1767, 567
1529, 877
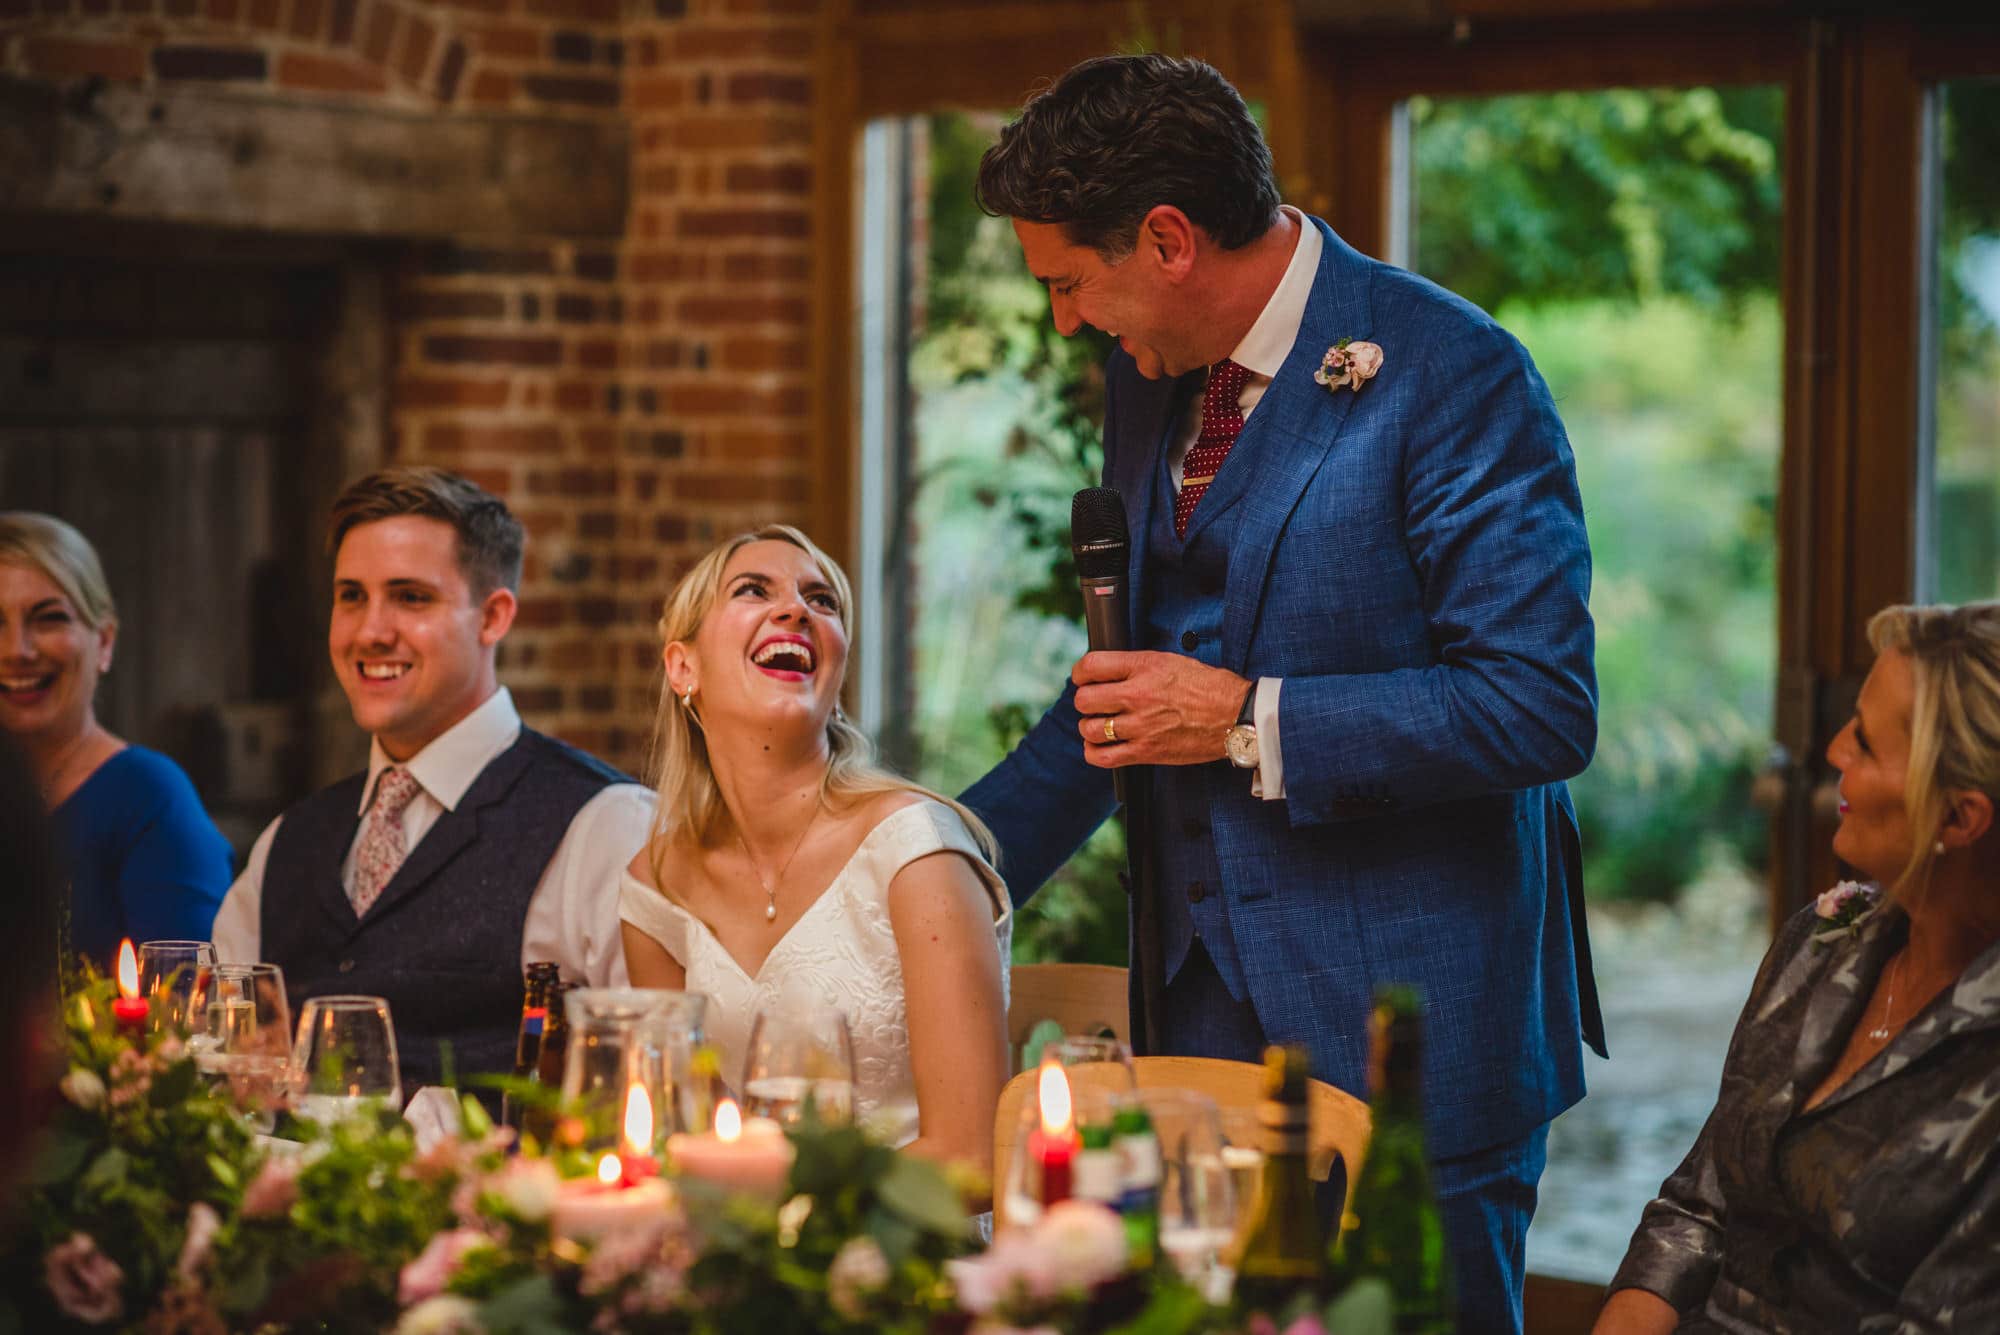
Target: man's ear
496, 616
1171, 240
1967, 818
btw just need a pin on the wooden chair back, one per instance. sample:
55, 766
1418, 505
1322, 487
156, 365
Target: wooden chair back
1082, 998
1339, 1120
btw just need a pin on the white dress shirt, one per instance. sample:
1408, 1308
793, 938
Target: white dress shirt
573, 917
1262, 353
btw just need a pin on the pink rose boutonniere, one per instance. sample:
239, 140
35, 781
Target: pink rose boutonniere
1843, 909
1349, 364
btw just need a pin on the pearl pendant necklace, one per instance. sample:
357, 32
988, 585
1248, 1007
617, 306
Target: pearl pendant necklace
1881, 1031
771, 886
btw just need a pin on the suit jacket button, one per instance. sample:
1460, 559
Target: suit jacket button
1197, 892
347, 966
1189, 640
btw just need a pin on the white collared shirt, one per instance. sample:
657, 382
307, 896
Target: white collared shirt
573, 917
1262, 353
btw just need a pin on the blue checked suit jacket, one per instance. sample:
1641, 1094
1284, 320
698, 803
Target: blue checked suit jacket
1412, 562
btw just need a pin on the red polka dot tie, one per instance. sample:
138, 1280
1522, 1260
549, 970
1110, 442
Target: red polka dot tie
1221, 424
382, 845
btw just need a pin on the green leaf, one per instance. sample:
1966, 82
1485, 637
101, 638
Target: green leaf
61, 1157
529, 1306
916, 1190
225, 1172
108, 1171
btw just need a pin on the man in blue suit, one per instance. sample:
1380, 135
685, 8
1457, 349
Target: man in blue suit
1359, 583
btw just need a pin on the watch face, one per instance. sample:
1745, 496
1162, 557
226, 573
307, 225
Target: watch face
1241, 744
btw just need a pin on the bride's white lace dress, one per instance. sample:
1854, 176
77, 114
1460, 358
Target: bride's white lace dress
841, 953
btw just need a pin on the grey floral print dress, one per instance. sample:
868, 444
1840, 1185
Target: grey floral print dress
1877, 1211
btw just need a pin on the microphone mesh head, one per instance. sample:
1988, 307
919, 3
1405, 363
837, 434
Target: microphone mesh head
1098, 537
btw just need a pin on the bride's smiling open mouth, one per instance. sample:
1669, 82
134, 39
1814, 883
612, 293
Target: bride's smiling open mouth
786, 657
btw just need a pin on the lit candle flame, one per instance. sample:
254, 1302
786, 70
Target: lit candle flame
1054, 1093
639, 1120
128, 969
609, 1170
728, 1122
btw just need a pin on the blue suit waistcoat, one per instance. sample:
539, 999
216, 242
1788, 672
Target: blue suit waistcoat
1411, 560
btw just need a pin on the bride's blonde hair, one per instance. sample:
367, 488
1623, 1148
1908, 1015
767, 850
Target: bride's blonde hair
1954, 716
690, 801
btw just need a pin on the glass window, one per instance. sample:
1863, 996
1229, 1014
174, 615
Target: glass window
1630, 238
1959, 530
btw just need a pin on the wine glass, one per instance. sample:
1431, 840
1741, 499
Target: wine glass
167, 972
243, 1034
1198, 1201
1088, 1050
795, 1054
345, 1057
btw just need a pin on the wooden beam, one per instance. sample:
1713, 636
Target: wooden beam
227, 159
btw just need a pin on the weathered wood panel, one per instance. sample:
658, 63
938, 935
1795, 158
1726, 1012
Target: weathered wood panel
216, 158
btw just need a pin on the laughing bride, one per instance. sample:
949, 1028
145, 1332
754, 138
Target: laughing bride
786, 869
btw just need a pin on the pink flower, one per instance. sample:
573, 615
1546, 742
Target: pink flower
1843, 909
84, 1280
446, 1314
273, 1190
426, 1276
1087, 1243
203, 1223
620, 1255
1306, 1325
858, 1270
1016, 1267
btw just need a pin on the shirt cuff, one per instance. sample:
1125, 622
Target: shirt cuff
1269, 780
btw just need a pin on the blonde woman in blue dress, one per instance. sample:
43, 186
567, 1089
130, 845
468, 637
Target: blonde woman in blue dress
785, 869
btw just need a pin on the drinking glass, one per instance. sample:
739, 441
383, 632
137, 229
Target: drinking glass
166, 979
1093, 1101
1198, 1201
667, 1039
345, 1057
1100, 1052
796, 1053
242, 1037
603, 1060
1243, 1153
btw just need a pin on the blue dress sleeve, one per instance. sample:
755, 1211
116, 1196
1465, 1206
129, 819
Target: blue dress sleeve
176, 866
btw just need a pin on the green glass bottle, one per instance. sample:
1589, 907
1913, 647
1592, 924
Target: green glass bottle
1140, 1175
1279, 1250
1393, 1230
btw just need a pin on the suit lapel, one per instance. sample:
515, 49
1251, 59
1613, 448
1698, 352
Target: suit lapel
1297, 423
1154, 418
454, 831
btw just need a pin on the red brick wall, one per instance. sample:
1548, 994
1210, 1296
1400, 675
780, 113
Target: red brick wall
633, 400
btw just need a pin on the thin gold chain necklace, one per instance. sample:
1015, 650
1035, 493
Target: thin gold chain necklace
771, 886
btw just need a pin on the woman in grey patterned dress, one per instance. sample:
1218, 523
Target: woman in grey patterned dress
1849, 1177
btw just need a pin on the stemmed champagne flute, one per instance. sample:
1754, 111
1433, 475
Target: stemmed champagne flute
796, 1054
345, 1057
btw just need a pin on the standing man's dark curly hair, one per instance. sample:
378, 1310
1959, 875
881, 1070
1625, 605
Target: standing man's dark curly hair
1119, 135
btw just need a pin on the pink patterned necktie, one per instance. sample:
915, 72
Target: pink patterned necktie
382, 847
1221, 424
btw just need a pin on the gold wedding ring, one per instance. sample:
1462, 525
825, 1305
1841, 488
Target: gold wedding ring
1110, 730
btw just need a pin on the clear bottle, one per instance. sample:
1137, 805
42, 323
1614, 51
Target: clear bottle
1280, 1247
1393, 1229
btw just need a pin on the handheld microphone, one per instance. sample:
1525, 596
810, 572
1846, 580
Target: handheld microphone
1101, 543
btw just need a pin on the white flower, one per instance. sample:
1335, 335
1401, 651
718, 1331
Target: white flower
203, 1223
83, 1088
1086, 1242
858, 1269
527, 1187
446, 1314
1349, 364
